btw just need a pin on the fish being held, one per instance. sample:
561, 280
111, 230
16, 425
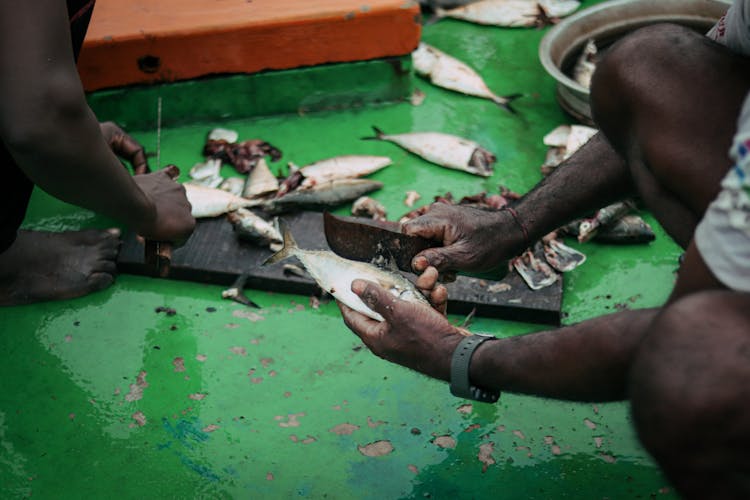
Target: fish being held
442, 149
335, 275
450, 73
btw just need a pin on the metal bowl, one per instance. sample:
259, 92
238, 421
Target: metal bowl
605, 23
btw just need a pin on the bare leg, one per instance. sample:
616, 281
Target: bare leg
43, 266
667, 100
690, 394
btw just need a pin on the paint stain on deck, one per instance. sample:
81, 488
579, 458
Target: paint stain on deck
376, 449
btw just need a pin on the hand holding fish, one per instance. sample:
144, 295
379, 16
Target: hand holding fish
125, 147
473, 239
412, 335
171, 220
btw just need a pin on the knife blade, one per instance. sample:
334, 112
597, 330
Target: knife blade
378, 242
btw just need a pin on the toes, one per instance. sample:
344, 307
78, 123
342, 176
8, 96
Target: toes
100, 281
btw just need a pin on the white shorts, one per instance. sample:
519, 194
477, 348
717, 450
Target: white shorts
723, 236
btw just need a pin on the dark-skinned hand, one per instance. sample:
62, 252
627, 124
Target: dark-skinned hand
473, 239
412, 335
125, 147
172, 219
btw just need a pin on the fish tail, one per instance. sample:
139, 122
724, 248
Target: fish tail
287, 250
504, 102
379, 134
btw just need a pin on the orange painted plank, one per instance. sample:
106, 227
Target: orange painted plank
147, 41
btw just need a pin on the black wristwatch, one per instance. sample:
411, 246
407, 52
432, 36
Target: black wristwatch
460, 385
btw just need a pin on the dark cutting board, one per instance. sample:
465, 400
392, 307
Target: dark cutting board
214, 254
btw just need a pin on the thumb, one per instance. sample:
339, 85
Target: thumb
173, 171
375, 297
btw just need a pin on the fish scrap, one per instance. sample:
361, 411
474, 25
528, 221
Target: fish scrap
335, 274
260, 181
442, 149
534, 271
365, 206
585, 65
450, 73
243, 156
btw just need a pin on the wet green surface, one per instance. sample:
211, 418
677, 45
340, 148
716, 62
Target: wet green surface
104, 396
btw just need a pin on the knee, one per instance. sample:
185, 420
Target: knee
691, 375
629, 70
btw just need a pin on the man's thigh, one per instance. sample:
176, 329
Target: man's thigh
671, 97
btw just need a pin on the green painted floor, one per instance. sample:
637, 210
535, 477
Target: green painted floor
104, 396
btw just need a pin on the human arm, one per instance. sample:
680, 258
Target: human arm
479, 240
55, 138
589, 361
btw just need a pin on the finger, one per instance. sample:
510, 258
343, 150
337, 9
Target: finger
425, 226
375, 297
361, 325
173, 171
125, 146
439, 299
427, 280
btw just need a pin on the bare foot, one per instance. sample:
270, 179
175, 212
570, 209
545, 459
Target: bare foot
44, 265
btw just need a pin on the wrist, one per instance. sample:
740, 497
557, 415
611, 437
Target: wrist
514, 231
461, 380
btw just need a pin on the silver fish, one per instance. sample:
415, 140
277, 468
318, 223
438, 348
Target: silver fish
322, 196
503, 13
442, 149
555, 9
602, 217
211, 202
450, 73
335, 275
511, 13
342, 167
628, 229
251, 227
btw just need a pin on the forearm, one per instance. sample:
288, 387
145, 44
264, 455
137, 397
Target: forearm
589, 361
45, 121
66, 156
593, 177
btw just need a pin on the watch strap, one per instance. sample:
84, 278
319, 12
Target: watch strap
460, 385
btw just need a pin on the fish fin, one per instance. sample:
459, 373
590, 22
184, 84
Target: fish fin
377, 137
504, 102
287, 250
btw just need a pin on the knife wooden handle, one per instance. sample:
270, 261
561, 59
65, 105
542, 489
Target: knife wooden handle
158, 257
